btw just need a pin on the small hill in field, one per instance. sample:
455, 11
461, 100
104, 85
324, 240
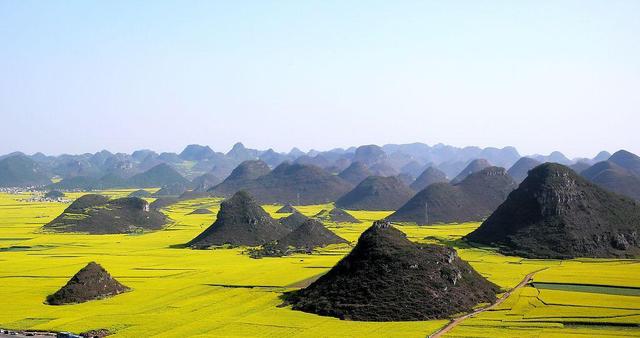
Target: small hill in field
555, 213
376, 193
191, 195
96, 214
163, 202
21, 171
140, 193
240, 221
520, 169
298, 184
294, 220
355, 173
288, 183
473, 199
108, 181
90, 283
428, 177
336, 215
158, 176
386, 277
286, 209
201, 211
54, 194
309, 235
614, 178
473, 167
241, 178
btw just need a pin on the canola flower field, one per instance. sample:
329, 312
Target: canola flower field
179, 292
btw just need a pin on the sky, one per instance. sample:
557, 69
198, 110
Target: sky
81, 76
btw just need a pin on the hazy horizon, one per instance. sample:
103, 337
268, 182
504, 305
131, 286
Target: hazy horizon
540, 76
225, 150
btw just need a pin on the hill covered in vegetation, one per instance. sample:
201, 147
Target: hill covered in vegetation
376, 193
386, 277
473, 199
97, 214
240, 221
555, 213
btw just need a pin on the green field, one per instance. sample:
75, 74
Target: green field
224, 293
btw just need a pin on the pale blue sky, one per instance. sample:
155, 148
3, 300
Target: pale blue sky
80, 76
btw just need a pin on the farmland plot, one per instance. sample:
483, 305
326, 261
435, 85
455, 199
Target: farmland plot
223, 292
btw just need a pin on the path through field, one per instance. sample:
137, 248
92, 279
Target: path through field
500, 300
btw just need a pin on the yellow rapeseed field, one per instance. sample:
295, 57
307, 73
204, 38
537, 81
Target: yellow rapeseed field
179, 292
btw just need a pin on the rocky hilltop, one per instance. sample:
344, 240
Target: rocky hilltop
555, 213
240, 222
386, 277
90, 283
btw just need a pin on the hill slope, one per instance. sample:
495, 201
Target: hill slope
294, 220
555, 213
473, 167
614, 178
205, 182
355, 173
309, 235
89, 283
627, 160
336, 215
158, 176
298, 184
386, 277
286, 209
428, 177
376, 193
520, 169
240, 221
21, 171
96, 214
241, 178
473, 199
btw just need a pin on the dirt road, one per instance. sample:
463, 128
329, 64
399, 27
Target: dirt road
500, 300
